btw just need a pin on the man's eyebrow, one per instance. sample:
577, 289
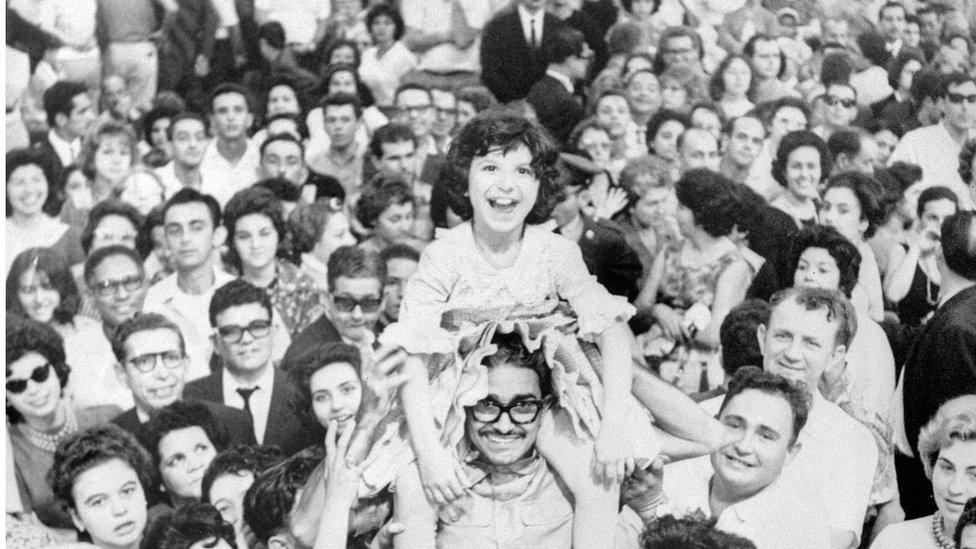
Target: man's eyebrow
514, 398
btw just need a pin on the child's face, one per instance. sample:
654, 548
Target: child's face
503, 188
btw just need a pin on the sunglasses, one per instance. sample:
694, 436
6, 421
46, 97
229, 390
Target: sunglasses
347, 304
109, 288
832, 100
39, 375
520, 412
257, 328
959, 98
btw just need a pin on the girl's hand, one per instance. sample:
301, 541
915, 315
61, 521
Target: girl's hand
442, 476
616, 200
669, 320
342, 479
385, 373
644, 490
611, 462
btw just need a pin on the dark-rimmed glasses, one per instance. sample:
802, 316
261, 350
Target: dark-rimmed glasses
959, 98
39, 375
832, 100
347, 304
257, 328
147, 362
520, 412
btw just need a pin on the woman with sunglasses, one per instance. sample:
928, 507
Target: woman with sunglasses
39, 414
41, 287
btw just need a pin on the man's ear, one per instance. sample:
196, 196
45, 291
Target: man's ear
60, 119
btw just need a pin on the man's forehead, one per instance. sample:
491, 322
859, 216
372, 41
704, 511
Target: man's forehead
155, 340
340, 110
114, 266
413, 97
796, 318
188, 125
507, 382
187, 212
282, 147
357, 286
391, 148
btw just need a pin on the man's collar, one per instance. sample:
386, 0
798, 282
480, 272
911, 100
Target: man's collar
563, 79
264, 382
525, 14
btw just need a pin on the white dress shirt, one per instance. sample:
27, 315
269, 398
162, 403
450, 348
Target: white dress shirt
259, 402
67, 151
528, 21
937, 153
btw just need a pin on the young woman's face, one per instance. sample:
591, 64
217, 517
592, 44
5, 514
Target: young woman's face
503, 188
737, 76
842, 211
596, 142
227, 495
112, 230
613, 113
343, 55
37, 296
395, 222
109, 504
803, 172
78, 190
143, 191
157, 134
335, 234
674, 96
255, 240
282, 100
27, 189
113, 158
665, 142
41, 397
887, 141
336, 394
344, 82
644, 93
184, 455
817, 269
953, 482
383, 29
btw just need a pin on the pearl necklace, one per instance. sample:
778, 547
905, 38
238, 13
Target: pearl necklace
49, 441
938, 531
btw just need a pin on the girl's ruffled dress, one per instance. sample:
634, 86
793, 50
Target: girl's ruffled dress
457, 301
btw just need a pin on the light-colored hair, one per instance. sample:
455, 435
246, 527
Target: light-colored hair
107, 129
955, 421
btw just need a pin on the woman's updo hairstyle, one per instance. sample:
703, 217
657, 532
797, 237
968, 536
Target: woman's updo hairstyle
793, 141
504, 129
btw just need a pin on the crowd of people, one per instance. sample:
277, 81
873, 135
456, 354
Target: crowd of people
491, 274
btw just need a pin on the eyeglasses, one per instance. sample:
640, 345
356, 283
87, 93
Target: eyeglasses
959, 98
520, 412
147, 362
832, 100
446, 112
347, 304
257, 328
39, 375
682, 51
109, 288
419, 109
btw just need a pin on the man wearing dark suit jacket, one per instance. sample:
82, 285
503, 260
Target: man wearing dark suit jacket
152, 363
557, 109
241, 315
70, 113
510, 61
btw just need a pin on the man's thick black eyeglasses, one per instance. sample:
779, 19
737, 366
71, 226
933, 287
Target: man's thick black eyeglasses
347, 304
522, 411
832, 100
39, 375
147, 362
108, 288
257, 329
959, 98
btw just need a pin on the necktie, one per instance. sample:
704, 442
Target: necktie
246, 395
532, 37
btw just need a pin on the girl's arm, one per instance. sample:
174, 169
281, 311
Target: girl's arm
340, 490
613, 461
898, 281
730, 290
414, 512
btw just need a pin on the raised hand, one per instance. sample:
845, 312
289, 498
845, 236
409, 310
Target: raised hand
342, 477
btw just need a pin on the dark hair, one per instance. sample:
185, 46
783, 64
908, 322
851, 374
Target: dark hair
59, 99
336, 44
670, 33
891, 4
389, 11
288, 82
340, 99
18, 158
869, 194
399, 251
932, 194
872, 46
154, 115
55, 269
269, 500
845, 253
143, 322
390, 133
281, 137
182, 414
235, 293
303, 366
968, 518
194, 523
103, 209
301, 127
96, 258
308, 221
752, 377
846, 141
927, 84
773, 107
716, 85
502, 129
273, 33
407, 86
248, 201
740, 347
380, 195
709, 197
749, 49
796, 140
658, 120
834, 302
958, 250
966, 161
905, 55
29, 336
623, 38
564, 43
354, 262
189, 195
692, 531
281, 189
144, 242
238, 459
628, 5
512, 351
479, 97
187, 115
94, 446
837, 68
232, 87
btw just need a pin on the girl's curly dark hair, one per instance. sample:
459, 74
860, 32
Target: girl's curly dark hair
793, 141
302, 367
709, 196
966, 161
502, 129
